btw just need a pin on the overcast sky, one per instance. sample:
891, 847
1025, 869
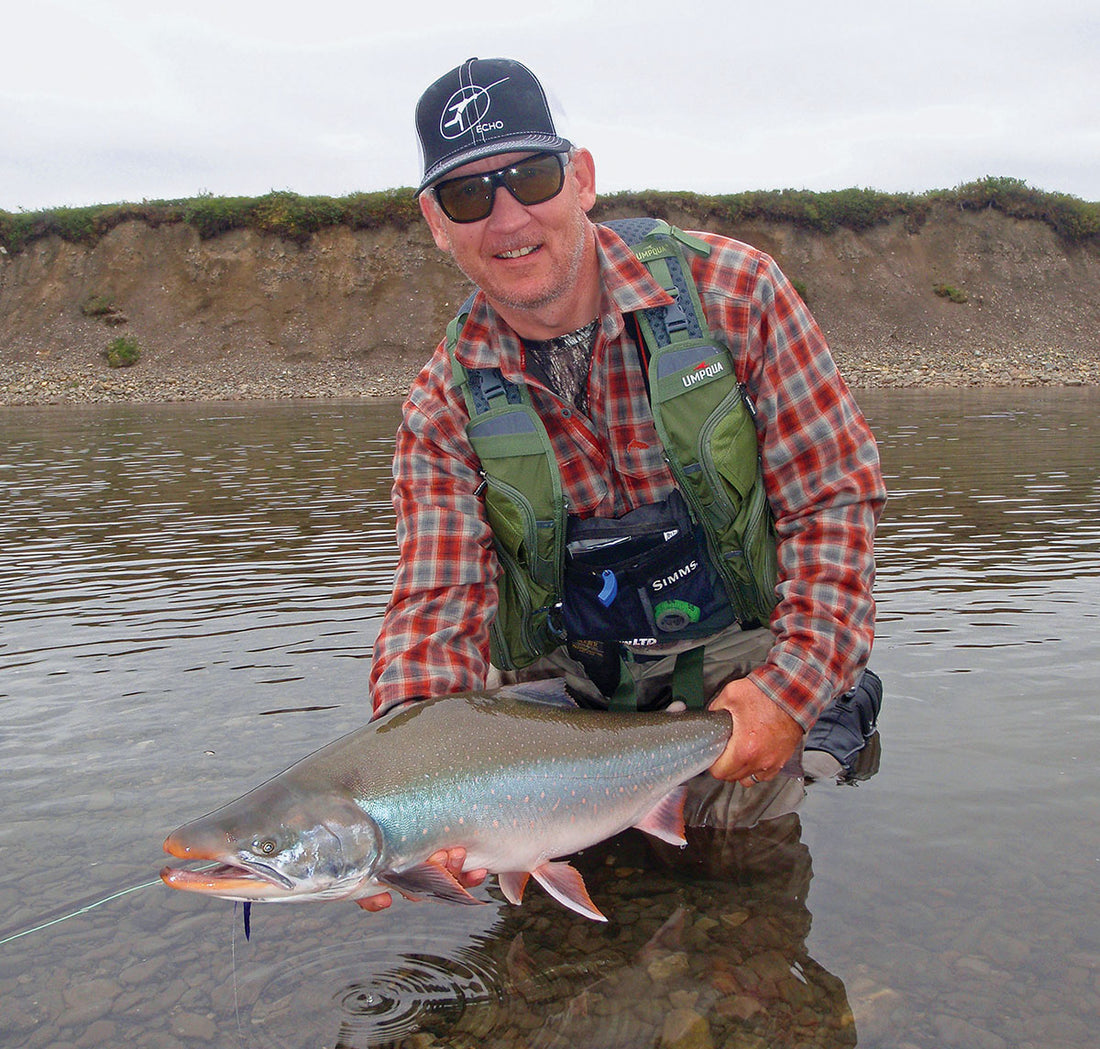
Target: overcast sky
113, 100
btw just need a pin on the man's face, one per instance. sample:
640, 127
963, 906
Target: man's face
524, 257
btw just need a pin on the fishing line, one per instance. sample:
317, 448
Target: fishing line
7, 935
80, 910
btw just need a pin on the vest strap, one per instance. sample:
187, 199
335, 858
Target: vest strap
687, 679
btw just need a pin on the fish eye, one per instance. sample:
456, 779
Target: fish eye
267, 846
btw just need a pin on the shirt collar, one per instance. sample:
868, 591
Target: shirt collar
626, 286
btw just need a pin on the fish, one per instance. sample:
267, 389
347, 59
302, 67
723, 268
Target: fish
512, 775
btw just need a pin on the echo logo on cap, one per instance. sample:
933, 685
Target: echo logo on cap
466, 108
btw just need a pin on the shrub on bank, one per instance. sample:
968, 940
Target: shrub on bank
123, 352
951, 293
96, 305
285, 214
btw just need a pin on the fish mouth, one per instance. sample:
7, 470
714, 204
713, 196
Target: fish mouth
230, 882
224, 878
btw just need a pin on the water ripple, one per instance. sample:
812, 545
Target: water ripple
370, 994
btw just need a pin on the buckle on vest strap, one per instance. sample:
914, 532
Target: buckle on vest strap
675, 319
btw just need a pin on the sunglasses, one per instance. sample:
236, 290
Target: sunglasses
533, 180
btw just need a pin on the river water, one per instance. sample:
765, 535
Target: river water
188, 597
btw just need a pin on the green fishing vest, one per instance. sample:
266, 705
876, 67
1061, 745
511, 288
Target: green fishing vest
704, 420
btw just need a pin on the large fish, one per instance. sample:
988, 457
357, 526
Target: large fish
517, 783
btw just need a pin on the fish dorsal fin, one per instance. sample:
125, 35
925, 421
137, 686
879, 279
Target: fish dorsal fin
566, 885
666, 819
512, 884
427, 879
551, 692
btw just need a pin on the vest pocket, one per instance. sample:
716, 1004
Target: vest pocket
525, 548
645, 577
730, 455
740, 511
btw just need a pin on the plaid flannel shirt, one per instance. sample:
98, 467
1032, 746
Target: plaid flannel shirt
821, 473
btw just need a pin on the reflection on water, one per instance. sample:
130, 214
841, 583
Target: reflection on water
128, 521
170, 574
708, 939
1009, 494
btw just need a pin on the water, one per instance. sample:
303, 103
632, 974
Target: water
188, 598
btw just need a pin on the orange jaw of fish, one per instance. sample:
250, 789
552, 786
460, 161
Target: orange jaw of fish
224, 880
227, 880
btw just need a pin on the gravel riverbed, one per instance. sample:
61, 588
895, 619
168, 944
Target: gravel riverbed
68, 379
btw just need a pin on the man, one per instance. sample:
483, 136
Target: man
508, 198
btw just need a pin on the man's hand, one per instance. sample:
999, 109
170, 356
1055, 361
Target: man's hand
764, 735
452, 859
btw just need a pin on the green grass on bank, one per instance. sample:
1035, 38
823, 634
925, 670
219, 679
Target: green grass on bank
296, 217
280, 213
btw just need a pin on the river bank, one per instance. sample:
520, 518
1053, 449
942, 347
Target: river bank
967, 298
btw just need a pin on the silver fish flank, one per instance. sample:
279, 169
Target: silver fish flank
518, 783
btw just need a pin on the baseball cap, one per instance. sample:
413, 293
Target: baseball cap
479, 109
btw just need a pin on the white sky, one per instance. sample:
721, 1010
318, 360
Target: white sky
113, 100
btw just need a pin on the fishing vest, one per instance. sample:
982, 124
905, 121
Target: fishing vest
704, 420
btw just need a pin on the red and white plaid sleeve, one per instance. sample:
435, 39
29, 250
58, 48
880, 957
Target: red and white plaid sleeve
435, 636
821, 471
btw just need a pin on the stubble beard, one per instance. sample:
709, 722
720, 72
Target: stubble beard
560, 287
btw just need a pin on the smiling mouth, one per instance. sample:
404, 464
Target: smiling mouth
518, 253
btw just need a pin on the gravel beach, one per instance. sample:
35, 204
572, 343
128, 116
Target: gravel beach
49, 380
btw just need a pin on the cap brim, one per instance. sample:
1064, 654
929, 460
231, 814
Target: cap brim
521, 144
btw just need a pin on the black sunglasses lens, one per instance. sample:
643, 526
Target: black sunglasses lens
536, 180
531, 181
466, 199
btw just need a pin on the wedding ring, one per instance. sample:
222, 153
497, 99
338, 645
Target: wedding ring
752, 776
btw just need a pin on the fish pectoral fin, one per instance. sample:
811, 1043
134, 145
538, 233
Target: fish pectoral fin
427, 879
566, 885
512, 884
666, 819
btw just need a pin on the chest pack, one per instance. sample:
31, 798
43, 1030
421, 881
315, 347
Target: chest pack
705, 423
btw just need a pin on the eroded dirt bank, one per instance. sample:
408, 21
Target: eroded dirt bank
354, 314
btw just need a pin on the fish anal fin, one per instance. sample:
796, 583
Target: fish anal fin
566, 885
666, 819
427, 879
512, 884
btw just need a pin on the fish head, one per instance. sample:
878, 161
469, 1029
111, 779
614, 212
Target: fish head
278, 844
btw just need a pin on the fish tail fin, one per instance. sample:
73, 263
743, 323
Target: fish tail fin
666, 819
512, 884
566, 885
